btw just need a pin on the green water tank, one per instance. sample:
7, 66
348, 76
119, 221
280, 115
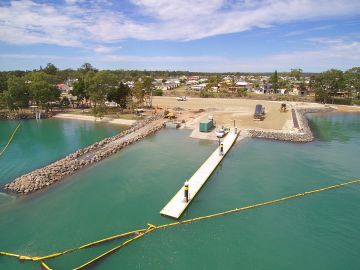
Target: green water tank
206, 125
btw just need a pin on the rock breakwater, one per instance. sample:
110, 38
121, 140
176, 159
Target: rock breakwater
21, 116
303, 134
54, 172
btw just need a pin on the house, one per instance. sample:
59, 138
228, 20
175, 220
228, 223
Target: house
228, 80
193, 78
169, 86
260, 90
172, 81
215, 89
242, 84
64, 88
129, 83
190, 82
283, 91
198, 87
299, 91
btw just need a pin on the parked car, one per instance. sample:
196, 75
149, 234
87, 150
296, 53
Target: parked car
181, 98
221, 132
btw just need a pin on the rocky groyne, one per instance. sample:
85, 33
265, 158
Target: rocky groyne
54, 172
21, 115
302, 134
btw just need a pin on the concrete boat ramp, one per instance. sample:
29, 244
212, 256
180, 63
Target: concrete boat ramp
177, 205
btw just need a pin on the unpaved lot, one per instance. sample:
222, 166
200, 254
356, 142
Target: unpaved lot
225, 111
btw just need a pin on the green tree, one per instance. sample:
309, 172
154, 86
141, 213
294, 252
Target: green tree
16, 96
147, 84
139, 92
296, 73
50, 69
274, 80
86, 67
79, 89
327, 84
3, 82
42, 88
120, 95
241, 92
99, 85
352, 81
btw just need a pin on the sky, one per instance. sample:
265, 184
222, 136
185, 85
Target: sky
194, 35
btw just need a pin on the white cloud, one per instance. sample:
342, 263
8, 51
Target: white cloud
80, 22
306, 31
105, 49
161, 59
343, 52
185, 9
98, 26
17, 56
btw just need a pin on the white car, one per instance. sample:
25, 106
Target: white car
181, 98
111, 104
220, 133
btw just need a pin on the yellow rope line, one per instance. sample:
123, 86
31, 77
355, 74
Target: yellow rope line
44, 266
150, 228
53, 255
10, 140
107, 253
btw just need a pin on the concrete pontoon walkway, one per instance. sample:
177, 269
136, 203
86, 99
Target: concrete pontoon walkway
177, 204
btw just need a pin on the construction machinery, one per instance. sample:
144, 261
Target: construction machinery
169, 115
283, 107
259, 113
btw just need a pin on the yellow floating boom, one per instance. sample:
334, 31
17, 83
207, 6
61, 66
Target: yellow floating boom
150, 228
10, 140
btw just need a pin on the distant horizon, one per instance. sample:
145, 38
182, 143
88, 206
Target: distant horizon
200, 36
178, 71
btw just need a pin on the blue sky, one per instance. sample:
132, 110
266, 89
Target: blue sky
196, 35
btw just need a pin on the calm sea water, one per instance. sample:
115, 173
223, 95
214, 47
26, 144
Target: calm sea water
38, 143
128, 190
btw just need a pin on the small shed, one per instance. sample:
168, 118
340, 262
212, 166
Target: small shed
206, 125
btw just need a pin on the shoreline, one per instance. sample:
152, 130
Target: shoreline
108, 120
298, 132
56, 171
302, 135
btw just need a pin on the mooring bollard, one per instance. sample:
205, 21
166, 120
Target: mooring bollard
221, 149
186, 191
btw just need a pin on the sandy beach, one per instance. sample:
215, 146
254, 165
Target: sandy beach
125, 122
346, 108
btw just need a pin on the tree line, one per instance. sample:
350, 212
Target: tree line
331, 86
20, 89
333, 83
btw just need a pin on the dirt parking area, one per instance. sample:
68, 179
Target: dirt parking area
225, 111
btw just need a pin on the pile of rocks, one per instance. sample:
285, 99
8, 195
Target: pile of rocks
304, 134
56, 171
19, 115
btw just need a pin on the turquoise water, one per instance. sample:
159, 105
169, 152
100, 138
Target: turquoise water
129, 189
37, 143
